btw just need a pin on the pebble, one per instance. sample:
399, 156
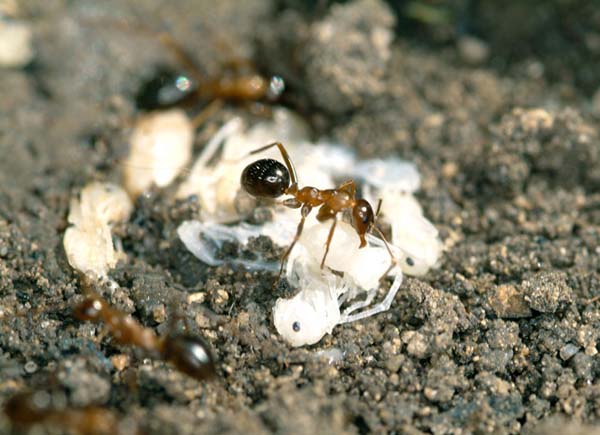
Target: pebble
508, 303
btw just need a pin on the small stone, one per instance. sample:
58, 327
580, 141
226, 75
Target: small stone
507, 302
30, 367
120, 362
473, 50
568, 350
159, 313
546, 292
221, 297
198, 297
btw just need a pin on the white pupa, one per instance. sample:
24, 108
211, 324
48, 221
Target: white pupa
88, 241
160, 148
393, 181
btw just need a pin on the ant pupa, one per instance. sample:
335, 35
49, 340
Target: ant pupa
268, 178
29, 408
190, 354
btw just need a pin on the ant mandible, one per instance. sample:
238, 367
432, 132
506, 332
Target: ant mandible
268, 178
189, 353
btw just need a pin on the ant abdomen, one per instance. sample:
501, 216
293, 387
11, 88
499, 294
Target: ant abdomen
191, 355
167, 88
265, 178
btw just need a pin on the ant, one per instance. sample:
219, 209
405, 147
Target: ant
189, 353
238, 82
28, 408
268, 178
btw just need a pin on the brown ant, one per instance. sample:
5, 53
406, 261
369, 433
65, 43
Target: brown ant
238, 82
28, 408
189, 353
268, 178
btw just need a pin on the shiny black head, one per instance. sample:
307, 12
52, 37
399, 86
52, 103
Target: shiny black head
191, 355
166, 88
265, 178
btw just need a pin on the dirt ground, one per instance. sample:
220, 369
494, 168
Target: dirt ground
498, 103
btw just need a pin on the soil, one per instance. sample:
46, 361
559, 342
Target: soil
498, 103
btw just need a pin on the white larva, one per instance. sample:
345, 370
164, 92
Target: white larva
160, 148
16, 43
88, 241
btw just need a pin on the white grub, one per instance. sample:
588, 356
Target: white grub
393, 181
362, 267
16, 44
415, 236
88, 241
392, 174
310, 314
215, 176
160, 148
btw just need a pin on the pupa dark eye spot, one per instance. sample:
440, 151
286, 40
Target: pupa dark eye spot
296, 326
410, 261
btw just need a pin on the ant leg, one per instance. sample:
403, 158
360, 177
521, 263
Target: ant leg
328, 243
164, 38
304, 212
348, 186
207, 112
287, 160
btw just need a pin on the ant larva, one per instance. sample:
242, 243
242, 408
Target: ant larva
268, 178
26, 409
189, 353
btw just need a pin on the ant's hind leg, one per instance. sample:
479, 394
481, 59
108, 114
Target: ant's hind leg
304, 212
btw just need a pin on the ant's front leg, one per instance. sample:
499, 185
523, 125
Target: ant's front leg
306, 209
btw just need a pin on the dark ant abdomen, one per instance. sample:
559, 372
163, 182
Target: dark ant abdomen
265, 178
191, 355
165, 89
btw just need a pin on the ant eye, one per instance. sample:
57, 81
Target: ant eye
296, 326
410, 261
266, 178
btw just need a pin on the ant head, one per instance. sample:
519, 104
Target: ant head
363, 219
191, 355
89, 309
265, 178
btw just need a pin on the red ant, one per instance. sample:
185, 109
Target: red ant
238, 82
189, 353
268, 178
28, 408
